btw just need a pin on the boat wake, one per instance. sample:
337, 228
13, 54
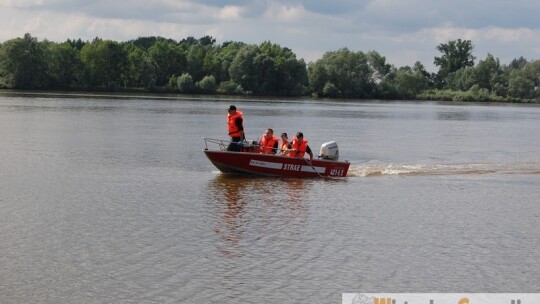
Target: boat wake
380, 169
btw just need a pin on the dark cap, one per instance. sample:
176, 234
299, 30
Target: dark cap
299, 134
232, 107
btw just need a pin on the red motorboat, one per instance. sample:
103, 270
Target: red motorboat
249, 161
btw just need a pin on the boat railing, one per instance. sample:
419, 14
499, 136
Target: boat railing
223, 144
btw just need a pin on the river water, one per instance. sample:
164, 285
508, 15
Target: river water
110, 199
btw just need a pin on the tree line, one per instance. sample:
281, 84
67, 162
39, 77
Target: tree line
200, 66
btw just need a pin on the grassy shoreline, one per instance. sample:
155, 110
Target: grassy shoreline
480, 96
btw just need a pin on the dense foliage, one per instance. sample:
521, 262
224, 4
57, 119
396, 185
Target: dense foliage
201, 66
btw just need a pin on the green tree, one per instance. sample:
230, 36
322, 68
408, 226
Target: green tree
195, 61
488, 72
231, 88
383, 76
525, 83
378, 65
104, 63
518, 63
294, 77
23, 62
185, 83
146, 43
220, 62
419, 67
189, 41
77, 44
207, 40
520, 86
409, 83
285, 74
242, 69
456, 54
318, 77
168, 59
462, 79
330, 90
207, 85
348, 71
64, 65
268, 69
140, 70
264, 75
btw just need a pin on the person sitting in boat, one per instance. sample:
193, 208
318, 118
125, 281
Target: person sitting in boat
300, 147
285, 144
269, 143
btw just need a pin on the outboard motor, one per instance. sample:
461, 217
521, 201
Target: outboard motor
329, 150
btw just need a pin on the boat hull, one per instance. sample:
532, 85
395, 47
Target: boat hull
275, 165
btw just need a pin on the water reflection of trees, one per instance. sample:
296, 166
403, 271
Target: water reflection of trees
255, 207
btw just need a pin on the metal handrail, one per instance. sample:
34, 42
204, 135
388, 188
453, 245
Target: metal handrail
224, 143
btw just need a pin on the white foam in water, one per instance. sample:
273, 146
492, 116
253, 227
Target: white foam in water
528, 167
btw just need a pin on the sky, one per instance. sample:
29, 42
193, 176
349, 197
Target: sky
404, 31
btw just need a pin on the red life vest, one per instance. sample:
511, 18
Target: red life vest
300, 148
267, 145
231, 123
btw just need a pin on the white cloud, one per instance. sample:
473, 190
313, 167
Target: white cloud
285, 13
230, 12
503, 35
20, 3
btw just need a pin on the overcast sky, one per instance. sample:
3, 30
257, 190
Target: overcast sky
404, 31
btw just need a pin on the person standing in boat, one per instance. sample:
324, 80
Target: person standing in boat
235, 124
285, 144
269, 143
300, 147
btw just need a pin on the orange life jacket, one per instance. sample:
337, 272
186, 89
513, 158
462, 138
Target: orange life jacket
231, 123
284, 147
300, 148
267, 145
